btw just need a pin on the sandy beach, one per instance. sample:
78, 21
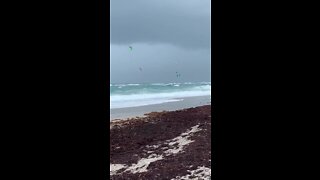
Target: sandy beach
163, 145
186, 102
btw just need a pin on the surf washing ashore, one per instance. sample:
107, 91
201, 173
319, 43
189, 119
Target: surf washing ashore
130, 100
139, 111
133, 95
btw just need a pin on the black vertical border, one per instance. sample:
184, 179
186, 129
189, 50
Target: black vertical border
103, 73
217, 86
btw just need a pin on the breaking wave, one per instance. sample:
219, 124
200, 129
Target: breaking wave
132, 95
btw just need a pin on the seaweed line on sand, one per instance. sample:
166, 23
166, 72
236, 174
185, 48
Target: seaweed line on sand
177, 144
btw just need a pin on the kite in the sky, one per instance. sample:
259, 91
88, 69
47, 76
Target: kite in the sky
130, 48
140, 68
178, 74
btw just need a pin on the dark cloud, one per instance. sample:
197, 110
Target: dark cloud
184, 23
167, 36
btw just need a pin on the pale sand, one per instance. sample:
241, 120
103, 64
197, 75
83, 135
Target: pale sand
181, 141
131, 112
200, 173
142, 164
115, 167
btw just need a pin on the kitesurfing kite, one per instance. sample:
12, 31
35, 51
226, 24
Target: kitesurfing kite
178, 74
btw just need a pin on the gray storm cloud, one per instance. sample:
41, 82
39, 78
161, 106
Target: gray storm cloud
183, 23
166, 35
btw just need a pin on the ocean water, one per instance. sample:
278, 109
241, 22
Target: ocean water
133, 95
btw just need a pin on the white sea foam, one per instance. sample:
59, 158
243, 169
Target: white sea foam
145, 96
133, 84
158, 84
165, 84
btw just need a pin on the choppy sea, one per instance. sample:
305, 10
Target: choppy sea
132, 95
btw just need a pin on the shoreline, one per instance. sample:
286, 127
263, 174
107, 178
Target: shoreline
140, 111
162, 145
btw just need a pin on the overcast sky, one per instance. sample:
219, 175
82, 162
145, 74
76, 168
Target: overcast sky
166, 36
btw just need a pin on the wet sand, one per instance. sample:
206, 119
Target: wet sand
187, 102
162, 145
